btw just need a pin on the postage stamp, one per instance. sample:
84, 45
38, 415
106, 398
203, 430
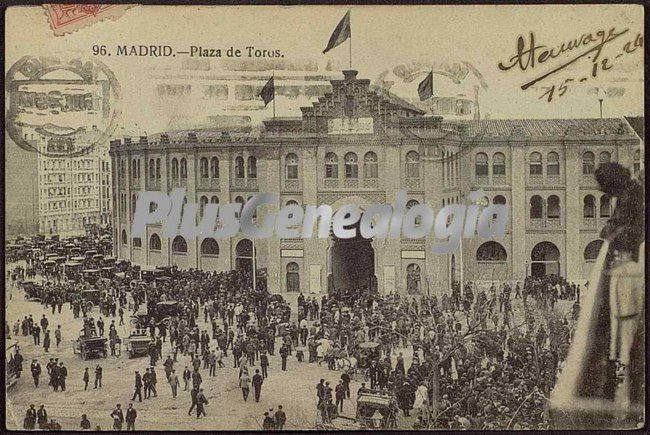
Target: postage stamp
68, 18
72, 102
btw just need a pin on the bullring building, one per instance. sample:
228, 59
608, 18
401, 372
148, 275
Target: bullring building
359, 144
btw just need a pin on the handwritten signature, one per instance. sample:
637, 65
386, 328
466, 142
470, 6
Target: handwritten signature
530, 54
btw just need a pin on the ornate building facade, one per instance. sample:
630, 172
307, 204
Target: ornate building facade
360, 145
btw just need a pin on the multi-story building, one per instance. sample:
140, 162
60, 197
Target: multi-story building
358, 145
73, 191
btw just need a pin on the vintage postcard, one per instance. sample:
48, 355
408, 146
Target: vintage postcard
324, 217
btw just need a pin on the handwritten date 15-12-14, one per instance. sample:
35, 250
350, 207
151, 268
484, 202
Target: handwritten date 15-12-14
604, 64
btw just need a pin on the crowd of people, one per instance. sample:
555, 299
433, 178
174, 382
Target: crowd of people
472, 366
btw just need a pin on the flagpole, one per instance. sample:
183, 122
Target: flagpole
274, 95
350, 23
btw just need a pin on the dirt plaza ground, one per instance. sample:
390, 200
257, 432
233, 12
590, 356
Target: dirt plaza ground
294, 389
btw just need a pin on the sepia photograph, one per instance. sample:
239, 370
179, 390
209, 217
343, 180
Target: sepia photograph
324, 217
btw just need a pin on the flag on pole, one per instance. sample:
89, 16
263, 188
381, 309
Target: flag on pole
268, 92
425, 88
341, 33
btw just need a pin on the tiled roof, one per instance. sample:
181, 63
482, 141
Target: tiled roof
638, 124
540, 127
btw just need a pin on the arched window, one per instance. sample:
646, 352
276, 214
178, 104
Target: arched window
203, 168
412, 165
291, 202
183, 168
158, 169
124, 238
137, 164
592, 250
155, 243
499, 199
214, 200
214, 167
351, 166
370, 165
499, 164
134, 201
553, 211
179, 245
604, 157
536, 207
535, 164
291, 167
589, 207
293, 277
637, 160
254, 211
588, 163
152, 169
137, 242
412, 203
252, 167
553, 163
491, 251
174, 168
209, 246
605, 206
239, 167
331, 165
152, 207
481, 165
413, 279
239, 200
202, 203
134, 169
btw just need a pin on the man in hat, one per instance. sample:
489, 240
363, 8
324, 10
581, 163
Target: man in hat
41, 417
131, 415
280, 418
268, 423
36, 371
118, 417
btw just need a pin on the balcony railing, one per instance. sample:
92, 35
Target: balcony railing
482, 181
153, 184
209, 184
292, 185
412, 183
588, 180
371, 183
591, 223
351, 183
331, 183
548, 223
179, 182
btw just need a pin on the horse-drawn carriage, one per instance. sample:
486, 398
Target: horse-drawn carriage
138, 343
89, 346
162, 312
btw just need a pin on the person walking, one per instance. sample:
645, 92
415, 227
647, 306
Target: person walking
146, 380
268, 423
194, 395
57, 335
187, 375
41, 417
280, 418
131, 415
154, 381
30, 418
138, 387
63, 373
258, 380
118, 417
86, 378
98, 376
212, 363
245, 384
284, 352
340, 393
264, 364
36, 371
200, 402
46, 341
174, 383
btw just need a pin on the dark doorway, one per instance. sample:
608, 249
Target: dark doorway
352, 264
545, 260
244, 255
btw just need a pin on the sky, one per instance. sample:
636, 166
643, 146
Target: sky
383, 38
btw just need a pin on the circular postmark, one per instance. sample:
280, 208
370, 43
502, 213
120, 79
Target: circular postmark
61, 107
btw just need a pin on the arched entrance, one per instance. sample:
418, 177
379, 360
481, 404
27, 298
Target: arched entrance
351, 264
244, 255
545, 259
